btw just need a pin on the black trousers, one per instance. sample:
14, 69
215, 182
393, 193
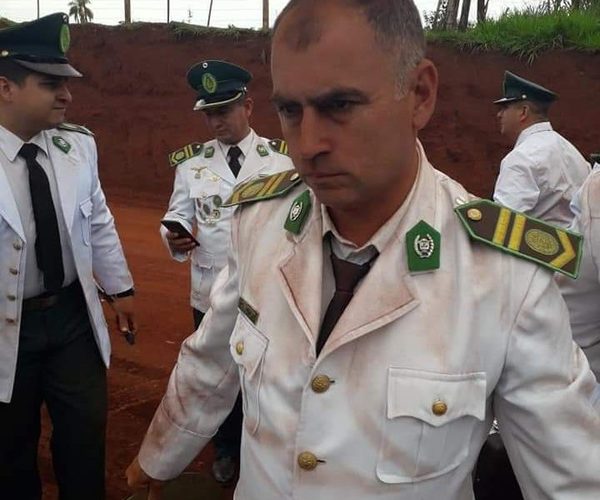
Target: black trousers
228, 438
58, 364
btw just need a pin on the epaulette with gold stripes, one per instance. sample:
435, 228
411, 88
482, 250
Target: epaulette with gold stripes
185, 153
264, 188
279, 146
516, 233
71, 127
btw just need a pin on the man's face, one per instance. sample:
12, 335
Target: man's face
39, 103
351, 135
230, 123
510, 119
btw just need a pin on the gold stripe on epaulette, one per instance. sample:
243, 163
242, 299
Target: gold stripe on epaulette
185, 153
279, 146
513, 232
263, 188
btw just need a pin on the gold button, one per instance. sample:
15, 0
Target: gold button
12, 298
17, 245
474, 214
320, 383
307, 461
294, 176
439, 408
14, 271
11, 321
239, 348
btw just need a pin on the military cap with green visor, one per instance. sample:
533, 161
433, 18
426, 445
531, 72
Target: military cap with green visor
39, 45
217, 83
516, 88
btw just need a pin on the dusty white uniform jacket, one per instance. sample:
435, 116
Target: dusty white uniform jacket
486, 334
583, 294
541, 175
97, 251
201, 185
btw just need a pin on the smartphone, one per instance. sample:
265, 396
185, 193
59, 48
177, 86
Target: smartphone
177, 227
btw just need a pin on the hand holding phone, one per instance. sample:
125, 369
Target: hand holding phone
184, 240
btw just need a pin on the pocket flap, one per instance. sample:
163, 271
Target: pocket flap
435, 398
204, 189
202, 259
86, 207
247, 345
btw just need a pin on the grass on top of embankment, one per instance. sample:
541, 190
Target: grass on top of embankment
528, 33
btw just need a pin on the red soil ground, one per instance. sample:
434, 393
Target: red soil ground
134, 97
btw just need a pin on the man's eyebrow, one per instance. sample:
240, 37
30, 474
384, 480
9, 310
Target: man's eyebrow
324, 98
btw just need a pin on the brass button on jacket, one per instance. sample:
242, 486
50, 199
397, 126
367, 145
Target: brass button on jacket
11, 297
239, 348
13, 271
17, 245
320, 383
307, 460
439, 408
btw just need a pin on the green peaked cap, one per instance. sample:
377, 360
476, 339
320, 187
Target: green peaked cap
518, 234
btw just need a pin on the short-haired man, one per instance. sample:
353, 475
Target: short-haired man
374, 341
543, 172
57, 236
205, 177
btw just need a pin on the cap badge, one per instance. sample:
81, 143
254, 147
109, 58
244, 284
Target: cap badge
209, 83
64, 38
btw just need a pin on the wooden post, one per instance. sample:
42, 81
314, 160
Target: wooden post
168, 11
265, 14
128, 11
38, 9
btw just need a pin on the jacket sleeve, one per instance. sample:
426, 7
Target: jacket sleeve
108, 260
547, 401
202, 388
181, 208
517, 186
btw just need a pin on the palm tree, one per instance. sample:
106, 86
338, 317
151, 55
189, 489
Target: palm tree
80, 11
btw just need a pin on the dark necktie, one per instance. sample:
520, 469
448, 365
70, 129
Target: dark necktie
234, 159
346, 275
47, 243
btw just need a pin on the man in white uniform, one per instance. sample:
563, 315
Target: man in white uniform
583, 295
204, 178
542, 173
56, 236
373, 340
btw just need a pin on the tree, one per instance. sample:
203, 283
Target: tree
80, 11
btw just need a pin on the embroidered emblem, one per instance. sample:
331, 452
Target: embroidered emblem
423, 248
209, 82
61, 143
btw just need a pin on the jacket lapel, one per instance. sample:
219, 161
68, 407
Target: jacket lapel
66, 170
8, 207
218, 163
300, 273
254, 163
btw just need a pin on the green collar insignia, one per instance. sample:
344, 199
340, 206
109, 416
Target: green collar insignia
209, 152
523, 236
61, 143
298, 213
423, 244
261, 150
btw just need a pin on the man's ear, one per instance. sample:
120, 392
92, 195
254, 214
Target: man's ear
425, 92
249, 106
6, 89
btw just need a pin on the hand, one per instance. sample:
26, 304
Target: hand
137, 479
125, 309
179, 243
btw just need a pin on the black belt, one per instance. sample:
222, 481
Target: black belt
48, 300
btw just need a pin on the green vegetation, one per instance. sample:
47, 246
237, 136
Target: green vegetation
185, 30
528, 33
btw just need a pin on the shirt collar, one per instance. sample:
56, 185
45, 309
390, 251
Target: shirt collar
533, 129
380, 239
11, 144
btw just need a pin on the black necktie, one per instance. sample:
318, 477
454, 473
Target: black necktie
47, 243
346, 275
234, 159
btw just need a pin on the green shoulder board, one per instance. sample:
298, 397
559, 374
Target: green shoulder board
513, 232
185, 153
71, 127
279, 146
263, 188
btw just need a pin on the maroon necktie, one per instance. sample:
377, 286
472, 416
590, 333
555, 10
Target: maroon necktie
346, 275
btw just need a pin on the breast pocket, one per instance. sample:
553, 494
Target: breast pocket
86, 208
248, 347
429, 422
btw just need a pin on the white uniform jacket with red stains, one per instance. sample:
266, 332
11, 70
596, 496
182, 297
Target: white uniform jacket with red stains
486, 334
